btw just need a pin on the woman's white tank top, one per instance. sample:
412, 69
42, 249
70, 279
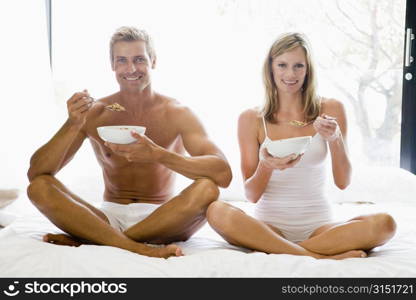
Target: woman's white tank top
297, 195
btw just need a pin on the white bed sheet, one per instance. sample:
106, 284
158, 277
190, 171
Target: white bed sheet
23, 254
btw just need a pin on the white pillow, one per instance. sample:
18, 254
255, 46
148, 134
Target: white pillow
376, 185
8, 196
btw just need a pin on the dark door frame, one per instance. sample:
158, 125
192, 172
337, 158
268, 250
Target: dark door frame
408, 127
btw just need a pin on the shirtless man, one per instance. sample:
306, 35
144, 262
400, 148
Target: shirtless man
138, 177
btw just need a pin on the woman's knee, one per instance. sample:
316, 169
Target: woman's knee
220, 214
214, 211
386, 223
384, 226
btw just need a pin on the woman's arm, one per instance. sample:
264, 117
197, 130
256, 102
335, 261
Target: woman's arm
257, 172
335, 132
255, 175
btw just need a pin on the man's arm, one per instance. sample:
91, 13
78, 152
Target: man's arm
55, 154
206, 158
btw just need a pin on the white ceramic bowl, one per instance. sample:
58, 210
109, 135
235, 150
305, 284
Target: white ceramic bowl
285, 147
119, 134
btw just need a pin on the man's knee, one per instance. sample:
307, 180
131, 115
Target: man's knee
199, 195
38, 189
206, 190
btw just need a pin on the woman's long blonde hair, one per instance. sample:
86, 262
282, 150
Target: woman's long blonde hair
310, 101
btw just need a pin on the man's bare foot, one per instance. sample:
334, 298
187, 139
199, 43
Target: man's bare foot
67, 240
62, 239
348, 254
164, 252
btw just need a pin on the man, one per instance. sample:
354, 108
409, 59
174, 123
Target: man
138, 177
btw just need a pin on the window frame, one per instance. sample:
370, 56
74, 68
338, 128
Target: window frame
48, 4
408, 126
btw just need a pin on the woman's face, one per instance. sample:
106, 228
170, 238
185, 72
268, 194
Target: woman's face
289, 71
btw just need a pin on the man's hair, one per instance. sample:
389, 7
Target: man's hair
310, 101
130, 34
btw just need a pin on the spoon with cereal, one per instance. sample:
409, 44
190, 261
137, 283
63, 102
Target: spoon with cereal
115, 107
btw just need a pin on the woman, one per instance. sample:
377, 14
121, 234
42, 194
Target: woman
292, 213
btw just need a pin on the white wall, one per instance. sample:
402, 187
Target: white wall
27, 114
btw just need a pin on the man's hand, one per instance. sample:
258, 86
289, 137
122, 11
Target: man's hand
279, 163
142, 151
78, 106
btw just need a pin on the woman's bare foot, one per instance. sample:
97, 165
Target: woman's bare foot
347, 254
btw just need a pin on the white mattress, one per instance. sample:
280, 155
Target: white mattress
23, 254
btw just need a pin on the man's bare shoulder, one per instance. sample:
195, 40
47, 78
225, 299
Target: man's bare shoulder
166, 101
174, 108
179, 116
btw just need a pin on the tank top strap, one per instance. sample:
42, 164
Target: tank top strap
265, 128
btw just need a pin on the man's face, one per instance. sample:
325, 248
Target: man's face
289, 70
132, 65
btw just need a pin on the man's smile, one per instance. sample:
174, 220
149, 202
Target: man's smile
132, 78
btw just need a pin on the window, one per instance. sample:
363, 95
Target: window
210, 55
26, 88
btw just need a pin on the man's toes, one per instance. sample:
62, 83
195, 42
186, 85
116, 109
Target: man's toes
48, 238
60, 239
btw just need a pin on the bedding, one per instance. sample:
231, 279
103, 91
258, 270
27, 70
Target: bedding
23, 254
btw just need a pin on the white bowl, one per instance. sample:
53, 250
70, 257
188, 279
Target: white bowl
119, 134
285, 147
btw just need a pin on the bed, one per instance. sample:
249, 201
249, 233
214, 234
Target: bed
391, 190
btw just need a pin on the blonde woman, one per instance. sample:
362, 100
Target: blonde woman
292, 213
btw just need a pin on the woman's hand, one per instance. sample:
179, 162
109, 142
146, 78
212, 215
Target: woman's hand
279, 163
327, 127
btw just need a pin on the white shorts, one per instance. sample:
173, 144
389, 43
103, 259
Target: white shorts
295, 227
298, 233
123, 216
